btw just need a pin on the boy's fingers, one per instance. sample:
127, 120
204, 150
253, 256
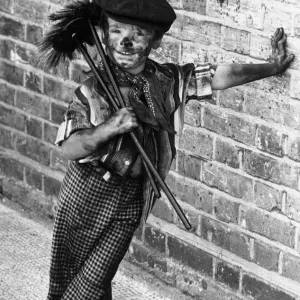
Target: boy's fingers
289, 59
281, 45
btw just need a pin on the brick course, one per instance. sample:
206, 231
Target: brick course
237, 168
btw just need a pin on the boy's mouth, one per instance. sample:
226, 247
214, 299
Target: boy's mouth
126, 53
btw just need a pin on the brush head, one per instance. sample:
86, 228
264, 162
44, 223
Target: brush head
58, 44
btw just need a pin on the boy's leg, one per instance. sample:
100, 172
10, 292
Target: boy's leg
94, 278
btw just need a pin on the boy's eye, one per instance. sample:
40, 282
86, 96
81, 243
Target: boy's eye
115, 31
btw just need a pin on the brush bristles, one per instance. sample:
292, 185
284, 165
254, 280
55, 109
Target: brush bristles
58, 45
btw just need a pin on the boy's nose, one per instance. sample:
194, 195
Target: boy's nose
126, 42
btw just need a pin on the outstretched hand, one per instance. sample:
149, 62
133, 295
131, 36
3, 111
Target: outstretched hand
279, 58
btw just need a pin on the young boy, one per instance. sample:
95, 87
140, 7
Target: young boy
105, 189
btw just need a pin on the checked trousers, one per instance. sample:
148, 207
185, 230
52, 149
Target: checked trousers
93, 228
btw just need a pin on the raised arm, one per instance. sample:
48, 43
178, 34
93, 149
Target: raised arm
230, 75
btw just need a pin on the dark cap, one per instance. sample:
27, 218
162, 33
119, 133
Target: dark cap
157, 14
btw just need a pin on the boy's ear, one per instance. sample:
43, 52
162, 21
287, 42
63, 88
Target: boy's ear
156, 43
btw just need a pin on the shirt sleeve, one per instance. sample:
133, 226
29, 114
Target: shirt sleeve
199, 87
76, 117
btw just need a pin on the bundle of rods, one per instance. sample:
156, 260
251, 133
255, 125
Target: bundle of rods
150, 169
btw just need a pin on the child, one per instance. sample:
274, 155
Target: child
105, 190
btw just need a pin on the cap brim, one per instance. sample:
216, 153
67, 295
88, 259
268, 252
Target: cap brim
138, 22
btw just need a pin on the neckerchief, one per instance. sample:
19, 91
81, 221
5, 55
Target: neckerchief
151, 111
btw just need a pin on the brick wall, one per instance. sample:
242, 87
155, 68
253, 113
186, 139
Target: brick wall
237, 168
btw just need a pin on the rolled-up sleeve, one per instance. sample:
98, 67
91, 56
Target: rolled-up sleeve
200, 83
77, 117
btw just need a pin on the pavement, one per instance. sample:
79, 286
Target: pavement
25, 243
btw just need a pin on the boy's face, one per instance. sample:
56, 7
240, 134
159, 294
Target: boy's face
129, 45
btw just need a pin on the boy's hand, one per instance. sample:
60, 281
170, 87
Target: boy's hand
279, 58
123, 120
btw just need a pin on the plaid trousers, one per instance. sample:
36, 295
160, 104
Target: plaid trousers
93, 228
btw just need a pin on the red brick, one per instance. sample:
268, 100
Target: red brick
197, 142
192, 114
50, 132
33, 82
157, 262
272, 108
163, 211
227, 181
188, 165
242, 13
169, 51
225, 237
57, 113
293, 205
291, 266
278, 84
6, 46
7, 6
34, 33
33, 104
202, 32
268, 226
276, 16
270, 140
51, 186
12, 28
189, 255
12, 118
7, 94
293, 47
198, 54
58, 90
34, 128
35, 11
26, 54
228, 274
33, 178
236, 40
62, 71
230, 126
195, 195
227, 154
226, 210
198, 6
6, 138
266, 256
294, 147
259, 290
58, 162
267, 197
11, 73
33, 149
270, 169
233, 98
11, 168
155, 238
260, 46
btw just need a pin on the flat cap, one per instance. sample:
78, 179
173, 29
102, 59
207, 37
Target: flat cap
157, 14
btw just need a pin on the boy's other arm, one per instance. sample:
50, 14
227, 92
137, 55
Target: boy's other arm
230, 75
84, 142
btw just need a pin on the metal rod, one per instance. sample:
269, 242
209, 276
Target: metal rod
163, 185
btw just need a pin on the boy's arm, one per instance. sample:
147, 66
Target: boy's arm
84, 142
230, 75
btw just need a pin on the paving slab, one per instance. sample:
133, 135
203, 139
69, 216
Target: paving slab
25, 243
